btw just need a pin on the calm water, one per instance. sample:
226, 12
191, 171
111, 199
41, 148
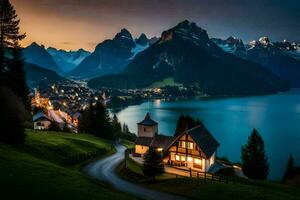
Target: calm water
231, 120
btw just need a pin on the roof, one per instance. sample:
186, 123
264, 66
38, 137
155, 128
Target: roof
159, 141
40, 115
204, 139
145, 141
148, 121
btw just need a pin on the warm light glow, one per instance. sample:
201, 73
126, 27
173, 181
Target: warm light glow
197, 161
177, 157
189, 159
159, 149
182, 158
191, 145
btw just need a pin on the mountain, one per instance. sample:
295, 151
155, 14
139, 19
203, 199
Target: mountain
67, 60
232, 45
291, 49
275, 59
186, 54
38, 55
111, 56
37, 76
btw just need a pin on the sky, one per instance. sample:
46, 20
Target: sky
74, 24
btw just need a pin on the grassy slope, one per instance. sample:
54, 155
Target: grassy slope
206, 190
36, 170
166, 82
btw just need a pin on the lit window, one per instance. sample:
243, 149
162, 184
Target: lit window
189, 159
159, 149
182, 158
191, 145
177, 157
182, 144
197, 161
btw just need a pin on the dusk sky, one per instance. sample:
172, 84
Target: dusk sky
74, 24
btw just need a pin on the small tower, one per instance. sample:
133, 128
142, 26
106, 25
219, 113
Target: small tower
147, 127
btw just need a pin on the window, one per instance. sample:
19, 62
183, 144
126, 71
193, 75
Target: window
189, 159
177, 157
191, 145
197, 161
182, 144
182, 158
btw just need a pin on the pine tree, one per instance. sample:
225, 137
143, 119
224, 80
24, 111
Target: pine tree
16, 79
254, 161
290, 169
12, 118
185, 122
9, 34
116, 125
153, 165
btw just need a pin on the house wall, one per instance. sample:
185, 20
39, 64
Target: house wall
185, 152
42, 125
147, 131
140, 149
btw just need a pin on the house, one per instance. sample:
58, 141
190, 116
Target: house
148, 137
195, 149
41, 121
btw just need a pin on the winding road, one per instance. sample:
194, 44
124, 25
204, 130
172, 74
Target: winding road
105, 170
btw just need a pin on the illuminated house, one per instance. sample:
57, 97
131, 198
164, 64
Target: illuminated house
148, 137
195, 148
41, 121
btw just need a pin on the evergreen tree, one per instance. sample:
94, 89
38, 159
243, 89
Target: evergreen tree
254, 161
153, 165
16, 76
9, 34
290, 169
116, 125
12, 118
185, 122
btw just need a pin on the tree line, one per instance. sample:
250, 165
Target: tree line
97, 121
14, 103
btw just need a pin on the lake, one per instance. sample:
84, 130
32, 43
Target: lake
231, 120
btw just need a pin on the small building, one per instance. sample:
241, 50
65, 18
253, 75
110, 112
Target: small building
195, 149
148, 137
41, 121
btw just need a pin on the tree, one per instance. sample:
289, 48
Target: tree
290, 169
9, 34
153, 165
116, 125
184, 123
16, 79
254, 161
12, 118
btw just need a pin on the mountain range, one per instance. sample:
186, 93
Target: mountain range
282, 58
111, 56
67, 60
186, 54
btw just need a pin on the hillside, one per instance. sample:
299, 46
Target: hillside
186, 53
37, 76
47, 167
38, 55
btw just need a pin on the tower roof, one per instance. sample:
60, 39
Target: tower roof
148, 121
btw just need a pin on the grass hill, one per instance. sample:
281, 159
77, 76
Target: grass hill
47, 166
193, 188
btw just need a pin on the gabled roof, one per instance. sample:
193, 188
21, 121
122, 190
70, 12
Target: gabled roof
148, 121
203, 138
145, 141
40, 115
161, 141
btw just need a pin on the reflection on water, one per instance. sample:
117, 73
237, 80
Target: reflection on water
230, 120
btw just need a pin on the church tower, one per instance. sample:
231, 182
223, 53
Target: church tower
147, 127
